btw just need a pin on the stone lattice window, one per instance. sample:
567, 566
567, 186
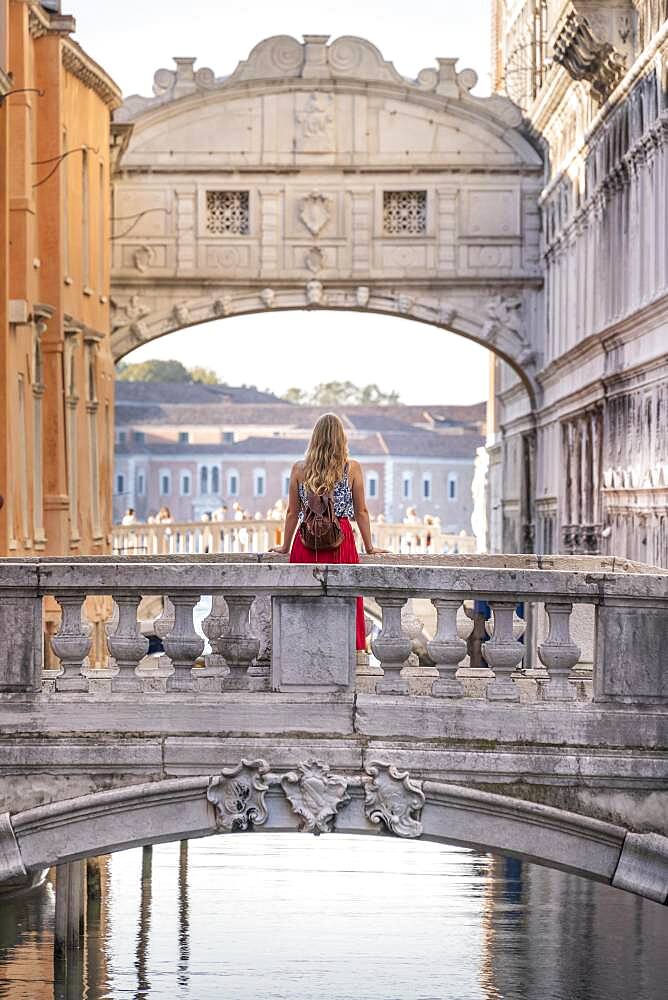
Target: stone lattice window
404, 213
227, 213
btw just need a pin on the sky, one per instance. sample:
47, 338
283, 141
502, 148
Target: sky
131, 39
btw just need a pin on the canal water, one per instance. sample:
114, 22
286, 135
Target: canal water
287, 916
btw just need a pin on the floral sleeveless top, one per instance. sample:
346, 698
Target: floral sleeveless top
342, 494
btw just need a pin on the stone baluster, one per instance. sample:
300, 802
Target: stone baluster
183, 645
391, 647
126, 644
503, 653
446, 649
559, 653
213, 627
71, 644
261, 622
238, 645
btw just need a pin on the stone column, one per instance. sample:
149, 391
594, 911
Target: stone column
391, 647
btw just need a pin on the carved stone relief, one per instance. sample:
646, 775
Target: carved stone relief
391, 798
315, 211
314, 260
268, 297
315, 293
238, 796
362, 295
315, 124
143, 257
223, 306
394, 800
315, 795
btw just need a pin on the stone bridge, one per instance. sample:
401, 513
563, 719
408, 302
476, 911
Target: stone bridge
495, 730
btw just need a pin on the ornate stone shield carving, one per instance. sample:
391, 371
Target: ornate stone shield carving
238, 795
315, 795
315, 211
394, 799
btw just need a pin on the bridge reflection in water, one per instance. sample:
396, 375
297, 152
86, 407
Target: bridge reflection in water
287, 916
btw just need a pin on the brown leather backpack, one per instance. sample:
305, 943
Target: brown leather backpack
320, 527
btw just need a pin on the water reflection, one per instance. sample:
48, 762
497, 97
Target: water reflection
285, 916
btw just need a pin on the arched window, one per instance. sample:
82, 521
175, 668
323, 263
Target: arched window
215, 479
407, 490
233, 483
204, 479
120, 484
285, 479
185, 484
426, 486
452, 486
372, 485
165, 483
259, 482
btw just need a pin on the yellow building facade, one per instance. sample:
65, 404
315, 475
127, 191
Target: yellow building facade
56, 369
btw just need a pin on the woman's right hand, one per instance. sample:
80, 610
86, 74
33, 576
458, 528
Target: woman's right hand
373, 551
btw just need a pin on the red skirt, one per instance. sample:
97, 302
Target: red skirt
346, 553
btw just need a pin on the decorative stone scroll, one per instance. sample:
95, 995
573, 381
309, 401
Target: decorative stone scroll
315, 211
393, 799
315, 795
238, 796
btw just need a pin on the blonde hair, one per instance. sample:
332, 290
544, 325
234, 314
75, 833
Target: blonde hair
326, 456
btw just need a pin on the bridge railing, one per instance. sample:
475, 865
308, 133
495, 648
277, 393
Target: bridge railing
279, 627
240, 537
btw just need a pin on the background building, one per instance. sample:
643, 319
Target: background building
588, 471
192, 447
56, 371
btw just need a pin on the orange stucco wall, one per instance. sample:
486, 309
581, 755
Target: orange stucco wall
56, 380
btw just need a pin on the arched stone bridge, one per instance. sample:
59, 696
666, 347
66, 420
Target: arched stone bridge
541, 749
316, 176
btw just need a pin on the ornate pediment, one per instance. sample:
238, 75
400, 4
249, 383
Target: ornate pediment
347, 58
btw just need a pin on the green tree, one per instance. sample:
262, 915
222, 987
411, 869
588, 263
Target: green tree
157, 370
295, 395
342, 394
205, 375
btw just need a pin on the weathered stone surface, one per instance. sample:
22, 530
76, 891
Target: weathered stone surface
11, 863
643, 866
312, 644
21, 646
631, 644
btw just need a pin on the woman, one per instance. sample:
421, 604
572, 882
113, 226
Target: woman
327, 469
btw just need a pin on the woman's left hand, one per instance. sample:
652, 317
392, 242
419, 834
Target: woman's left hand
278, 550
377, 552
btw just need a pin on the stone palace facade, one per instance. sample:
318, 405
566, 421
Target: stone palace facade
194, 447
592, 80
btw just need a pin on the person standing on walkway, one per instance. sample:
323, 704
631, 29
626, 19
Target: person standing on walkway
327, 471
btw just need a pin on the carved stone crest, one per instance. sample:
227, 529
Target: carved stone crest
315, 211
394, 799
238, 796
143, 258
314, 259
315, 795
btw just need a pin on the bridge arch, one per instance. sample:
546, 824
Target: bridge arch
175, 809
315, 175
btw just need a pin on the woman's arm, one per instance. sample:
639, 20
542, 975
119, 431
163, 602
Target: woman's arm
291, 515
361, 512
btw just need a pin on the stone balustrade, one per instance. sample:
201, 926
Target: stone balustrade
238, 537
290, 628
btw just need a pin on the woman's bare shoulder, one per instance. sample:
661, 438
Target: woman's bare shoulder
354, 468
298, 469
